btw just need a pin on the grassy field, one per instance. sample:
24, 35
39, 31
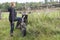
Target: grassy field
41, 26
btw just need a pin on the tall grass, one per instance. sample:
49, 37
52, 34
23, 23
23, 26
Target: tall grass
40, 27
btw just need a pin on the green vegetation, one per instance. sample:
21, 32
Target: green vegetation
32, 5
40, 27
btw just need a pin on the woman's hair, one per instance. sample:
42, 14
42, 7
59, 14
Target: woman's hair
12, 3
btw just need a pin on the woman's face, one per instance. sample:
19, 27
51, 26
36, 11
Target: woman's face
12, 4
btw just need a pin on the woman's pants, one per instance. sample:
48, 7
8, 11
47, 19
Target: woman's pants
18, 19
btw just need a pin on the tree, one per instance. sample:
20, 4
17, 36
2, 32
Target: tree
0, 14
46, 1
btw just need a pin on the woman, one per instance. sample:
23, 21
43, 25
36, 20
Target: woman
13, 17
